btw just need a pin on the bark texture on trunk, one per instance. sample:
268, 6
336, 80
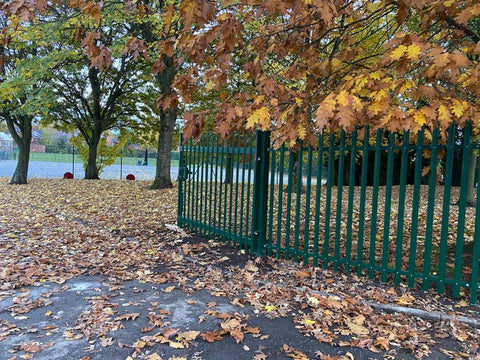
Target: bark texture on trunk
91, 171
167, 122
229, 169
164, 151
21, 171
23, 141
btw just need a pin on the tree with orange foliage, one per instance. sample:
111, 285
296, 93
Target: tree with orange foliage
394, 64
389, 64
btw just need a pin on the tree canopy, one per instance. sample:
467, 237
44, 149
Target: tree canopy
21, 86
309, 64
390, 64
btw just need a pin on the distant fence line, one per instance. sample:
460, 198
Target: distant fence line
65, 154
393, 206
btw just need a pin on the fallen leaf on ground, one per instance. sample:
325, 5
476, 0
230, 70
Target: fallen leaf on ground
212, 336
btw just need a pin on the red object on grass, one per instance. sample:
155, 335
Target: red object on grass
68, 175
130, 177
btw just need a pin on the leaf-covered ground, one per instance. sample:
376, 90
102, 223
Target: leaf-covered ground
56, 235
227, 206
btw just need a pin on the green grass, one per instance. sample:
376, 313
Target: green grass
35, 156
67, 158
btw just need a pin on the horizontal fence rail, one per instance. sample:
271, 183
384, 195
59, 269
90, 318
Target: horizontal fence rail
394, 205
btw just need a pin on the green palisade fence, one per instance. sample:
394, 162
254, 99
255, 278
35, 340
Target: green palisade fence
377, 203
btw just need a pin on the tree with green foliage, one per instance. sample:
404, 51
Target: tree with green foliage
21, 87
87, 97
106, 155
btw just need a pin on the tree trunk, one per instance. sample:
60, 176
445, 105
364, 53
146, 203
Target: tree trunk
229, 169
295, 162
164, 151
91, 171
23, 141
229, 161
167, 123
21, 171
471, 179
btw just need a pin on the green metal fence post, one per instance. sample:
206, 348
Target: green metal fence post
328, 201
363, 196
181, 180
375, 196
260, 193
308, 194
188, 185
412, 267
196, 179
230, 165
235, 227
281, 172
248, 215
474, 283
318, 193
387, 209
201, 173
210, 150
242, 241
401, 207
298, 203
447, 192
338, 218
351, 193
271, 217
427, 250
462, 205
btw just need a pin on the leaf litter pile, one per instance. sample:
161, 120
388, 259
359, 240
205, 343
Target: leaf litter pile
55, 230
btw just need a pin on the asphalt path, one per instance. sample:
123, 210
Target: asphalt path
181, 312
100, 317
46, 169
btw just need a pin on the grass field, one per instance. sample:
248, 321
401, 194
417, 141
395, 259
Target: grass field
35, 156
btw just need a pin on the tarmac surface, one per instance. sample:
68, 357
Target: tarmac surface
45, 169
182, 311
53, 330
118, 315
